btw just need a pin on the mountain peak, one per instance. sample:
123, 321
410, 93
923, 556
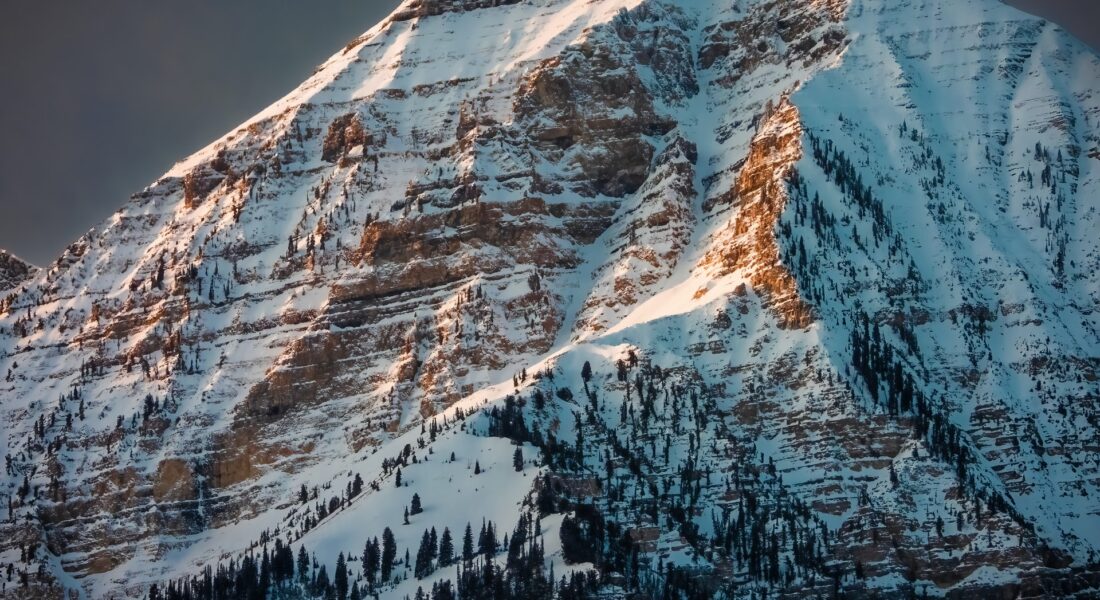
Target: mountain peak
13, 270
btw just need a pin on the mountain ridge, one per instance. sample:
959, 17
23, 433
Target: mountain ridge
13, 271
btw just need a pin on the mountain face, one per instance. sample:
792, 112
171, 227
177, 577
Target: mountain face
13, 271
690, 298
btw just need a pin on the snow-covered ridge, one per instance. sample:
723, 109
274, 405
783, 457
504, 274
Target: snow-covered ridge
13, 271
786, 295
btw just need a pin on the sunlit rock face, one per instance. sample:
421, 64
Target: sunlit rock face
832, 266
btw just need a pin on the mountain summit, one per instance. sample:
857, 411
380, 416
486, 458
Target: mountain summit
594, 298
13, 271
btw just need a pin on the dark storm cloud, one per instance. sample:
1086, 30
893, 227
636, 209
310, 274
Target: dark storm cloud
97, 99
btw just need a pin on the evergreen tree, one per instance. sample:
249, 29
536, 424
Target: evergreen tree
303, 564
468, 544
370, 561
487, 540
446, 548
321, 584
423, 557
517, 459
389, 553
265, 570
415, 508
340, 577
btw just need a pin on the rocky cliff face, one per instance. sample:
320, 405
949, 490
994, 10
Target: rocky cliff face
13, 271
831, 265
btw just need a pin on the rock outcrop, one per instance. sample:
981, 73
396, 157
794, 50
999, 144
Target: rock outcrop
13, 271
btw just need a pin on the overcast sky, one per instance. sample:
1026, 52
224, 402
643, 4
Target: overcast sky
98, 99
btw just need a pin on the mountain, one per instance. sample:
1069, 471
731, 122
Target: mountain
687, 298
13, 271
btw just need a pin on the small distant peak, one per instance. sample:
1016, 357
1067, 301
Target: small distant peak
14, 270
428, 8
10, 259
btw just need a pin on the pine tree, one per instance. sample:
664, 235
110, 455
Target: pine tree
487, 540
303, 564
468, 544
423, 557
322, 583
415, 508
517, 543
340, 577
370, 561
389, 553
446, 548
517, 459
265, 570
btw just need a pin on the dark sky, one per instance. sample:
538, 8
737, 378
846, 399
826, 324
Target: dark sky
99, 98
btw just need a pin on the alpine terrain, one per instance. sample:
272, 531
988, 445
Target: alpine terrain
589, 299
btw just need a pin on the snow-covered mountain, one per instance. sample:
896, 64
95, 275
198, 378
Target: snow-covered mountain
685, 298
13, 271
